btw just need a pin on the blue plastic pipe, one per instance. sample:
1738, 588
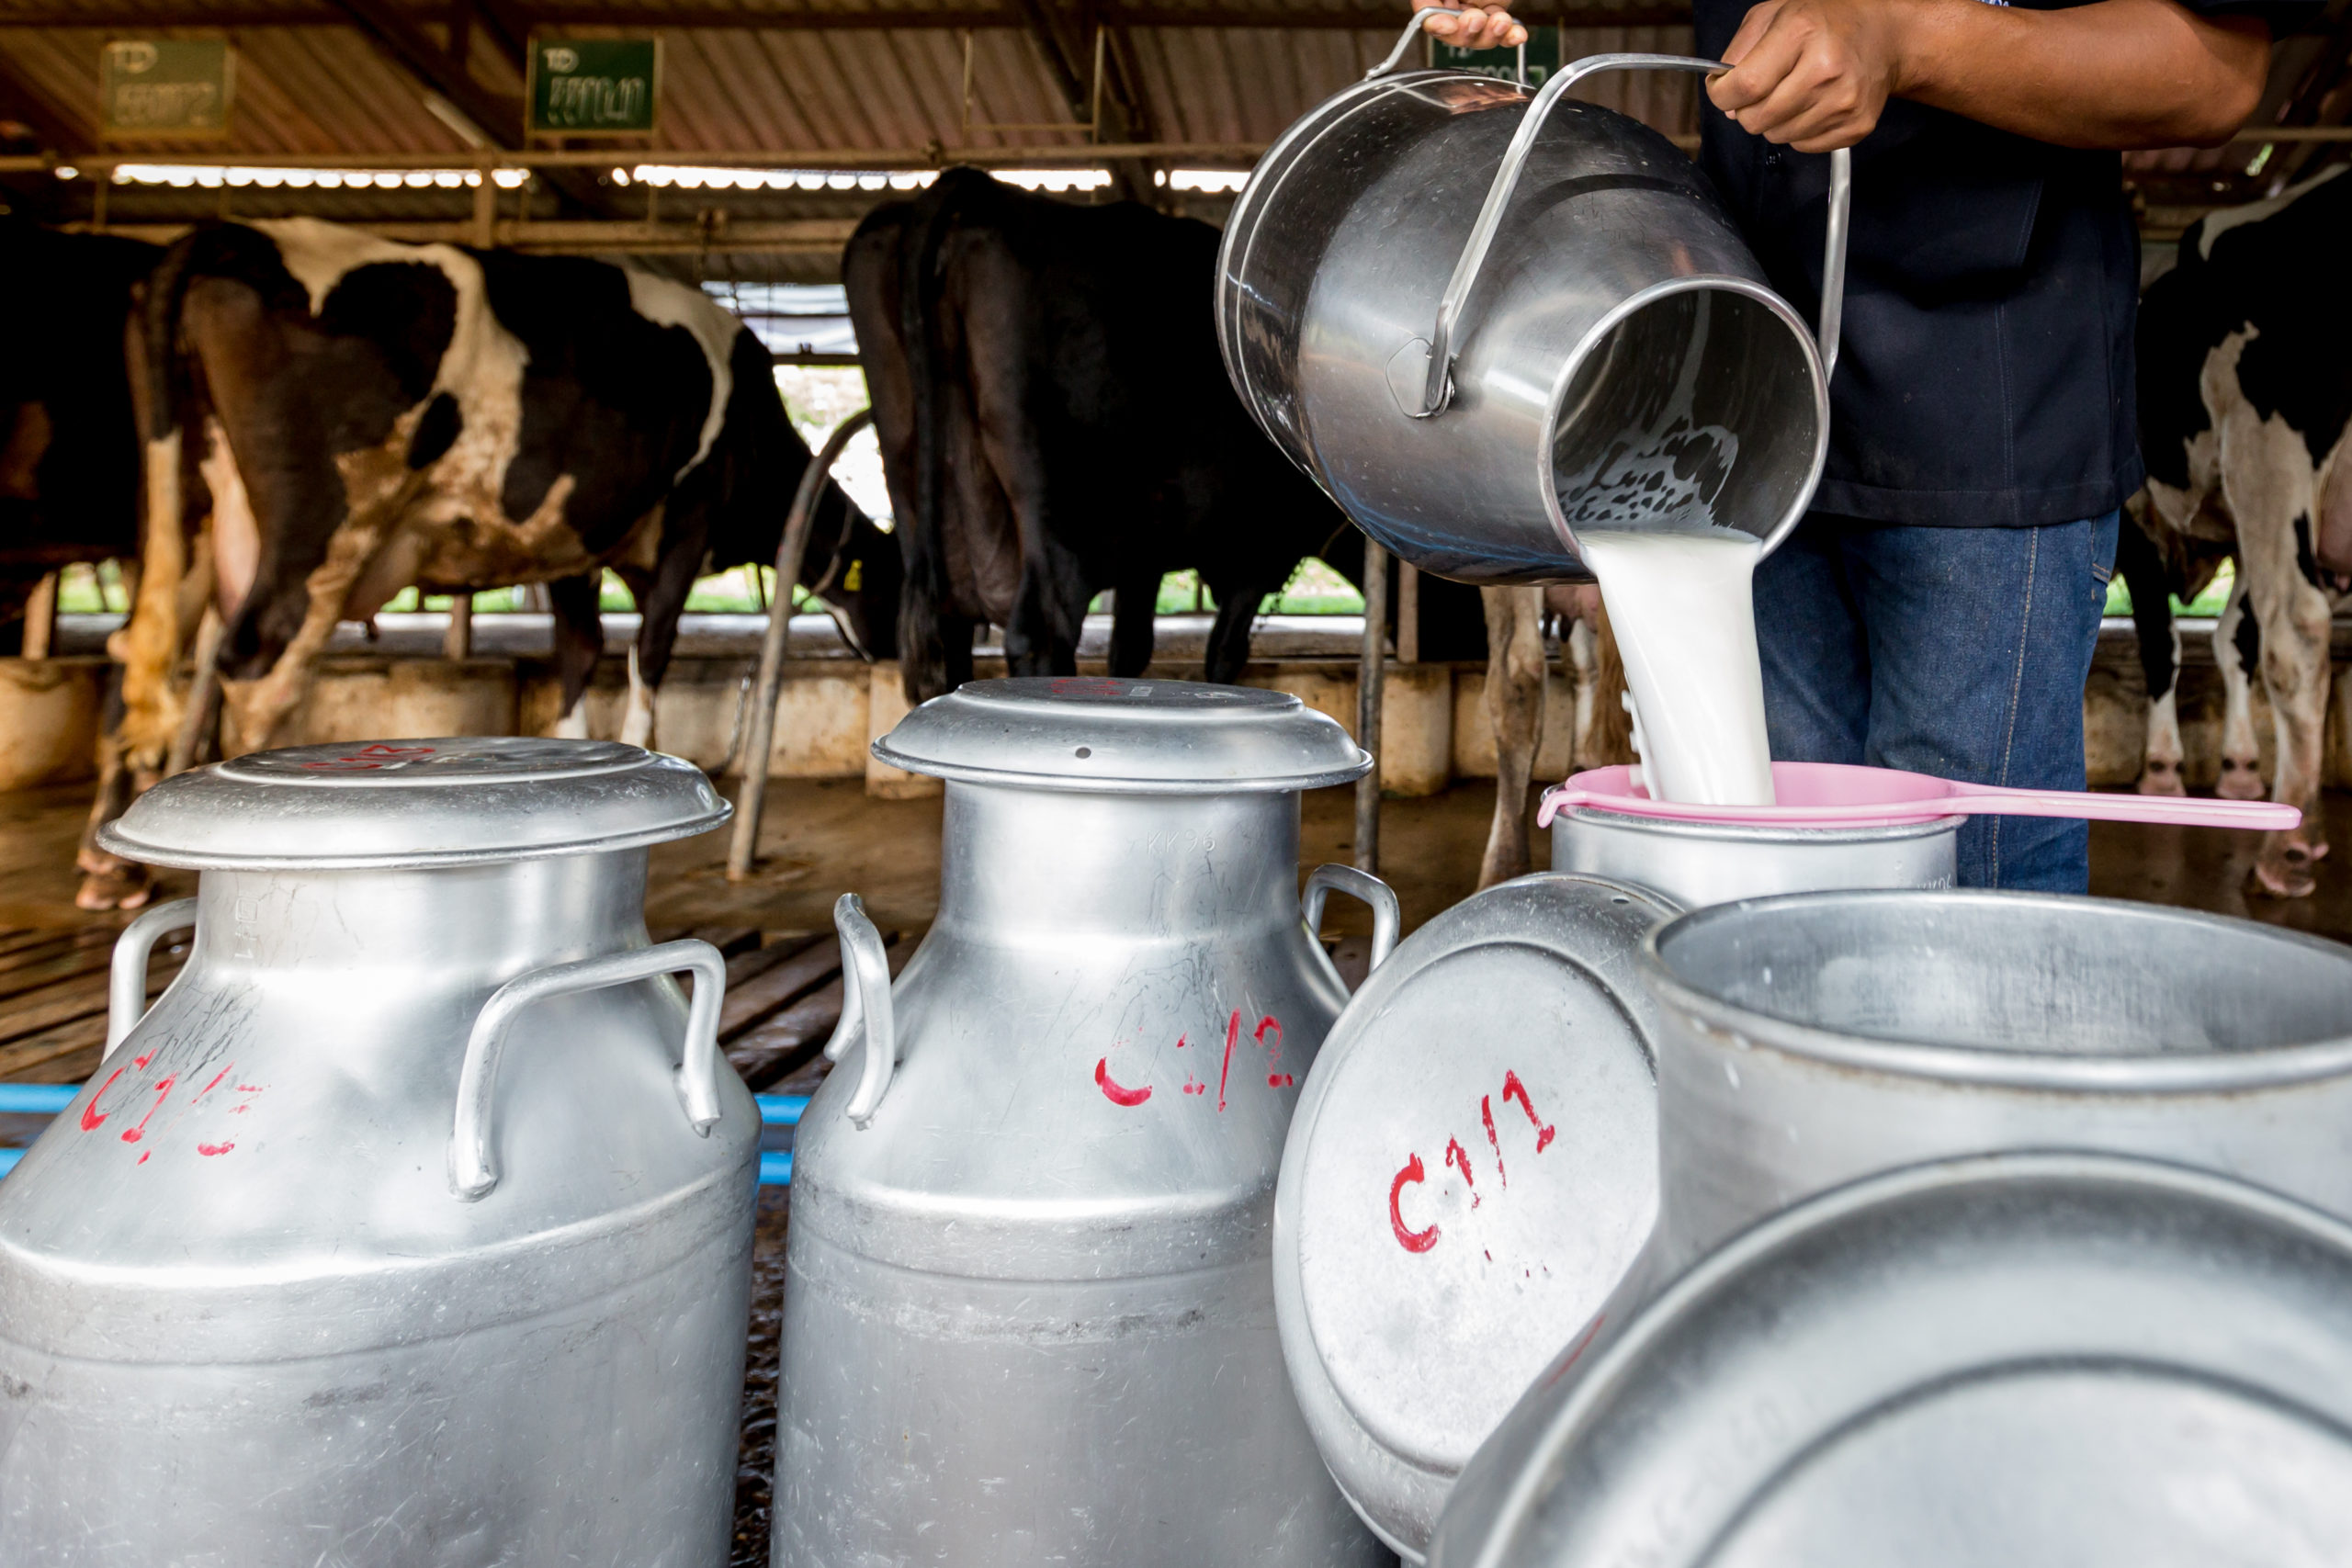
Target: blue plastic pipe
49, 1099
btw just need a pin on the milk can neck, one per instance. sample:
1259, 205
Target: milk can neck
453, 928
1032, 864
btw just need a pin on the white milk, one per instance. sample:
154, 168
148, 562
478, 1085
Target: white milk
1679, 602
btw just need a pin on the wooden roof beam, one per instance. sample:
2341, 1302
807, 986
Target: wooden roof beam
22, 102
517, 20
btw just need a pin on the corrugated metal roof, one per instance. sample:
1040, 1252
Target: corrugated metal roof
329, 89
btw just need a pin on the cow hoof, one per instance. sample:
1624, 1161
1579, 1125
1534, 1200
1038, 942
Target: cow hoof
127, 888
2240, 782
2162, 778
2281, 876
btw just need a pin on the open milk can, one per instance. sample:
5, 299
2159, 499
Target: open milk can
1476, 370
1916, 1143
412, 1223
1028, 1315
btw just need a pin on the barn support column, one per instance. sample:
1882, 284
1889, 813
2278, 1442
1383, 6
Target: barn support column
40, 618
1372, 671
458, 641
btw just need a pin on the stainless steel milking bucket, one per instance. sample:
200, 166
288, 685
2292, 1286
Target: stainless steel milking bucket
1477, 370
1820, 1039
412, 1223
1699, 864
1028, 1317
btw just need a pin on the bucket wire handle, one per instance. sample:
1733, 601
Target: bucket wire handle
866, 1006
473, 1164
1437, 387
1413, 30
1360, 885
127, 981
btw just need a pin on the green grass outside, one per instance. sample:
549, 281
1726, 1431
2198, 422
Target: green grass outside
2213, 602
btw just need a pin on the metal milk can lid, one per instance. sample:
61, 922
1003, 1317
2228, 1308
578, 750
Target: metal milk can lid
1471, 1169
391, 804
1098, 733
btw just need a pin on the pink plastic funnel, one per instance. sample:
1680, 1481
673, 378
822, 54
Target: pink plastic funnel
1832, 795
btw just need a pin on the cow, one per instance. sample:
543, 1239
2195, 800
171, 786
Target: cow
334, 417
69, 441
2244, 402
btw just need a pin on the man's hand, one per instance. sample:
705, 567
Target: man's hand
1814, 74
1478, 27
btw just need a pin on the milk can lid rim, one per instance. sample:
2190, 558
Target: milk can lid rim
435, 801
1117, 736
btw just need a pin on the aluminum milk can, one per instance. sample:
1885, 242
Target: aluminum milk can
1815, 1040
412, 1224
1029, 1316
1497, 1083
1477, 371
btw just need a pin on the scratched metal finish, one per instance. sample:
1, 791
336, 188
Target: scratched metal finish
1028, 1317
1814, 1039
1474, 1162
2002, 1360
245, 1319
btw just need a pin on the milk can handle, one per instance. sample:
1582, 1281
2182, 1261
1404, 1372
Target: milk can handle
473, 1164
1437, 388
126, 984
1363, 885
866, 1006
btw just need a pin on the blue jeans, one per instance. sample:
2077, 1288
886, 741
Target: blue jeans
1960, 652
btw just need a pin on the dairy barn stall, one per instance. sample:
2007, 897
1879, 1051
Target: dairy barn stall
565, 568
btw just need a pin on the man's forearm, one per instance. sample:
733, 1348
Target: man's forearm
2116, 74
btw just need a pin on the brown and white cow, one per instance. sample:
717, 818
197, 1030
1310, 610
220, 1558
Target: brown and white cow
336, 416
2245, 399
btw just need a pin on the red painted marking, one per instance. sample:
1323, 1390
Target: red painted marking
1113, 1091
1410, 1240
1487, 1114
141, 1159
163, 1091
362, 760
1582, 1345
1459, 1158
1084, 686
207, 1088
1232, 1037
1514, 1089
141, 1062
214, 1148
1279, 1080
91, 1114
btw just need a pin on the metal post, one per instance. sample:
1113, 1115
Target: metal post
742, 847
458, 641
1371, 676
40, 618
485, 206
1408, 614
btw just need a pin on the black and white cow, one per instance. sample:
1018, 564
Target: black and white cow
336, 416
68, 442
2244, 398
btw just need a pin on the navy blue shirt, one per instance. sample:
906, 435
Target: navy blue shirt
1984, 378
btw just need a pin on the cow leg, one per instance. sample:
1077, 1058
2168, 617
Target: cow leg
262, 705
2237, 654
579, 644
2142, 571
1135, 612
1238, 598
109, 882
1048, 613
1515, 707
2267, 482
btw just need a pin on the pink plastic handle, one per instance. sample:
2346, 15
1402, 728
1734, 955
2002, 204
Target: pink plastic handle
1825, 794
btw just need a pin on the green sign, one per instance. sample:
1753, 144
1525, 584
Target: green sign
603, 87
165, 86
1542, 58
